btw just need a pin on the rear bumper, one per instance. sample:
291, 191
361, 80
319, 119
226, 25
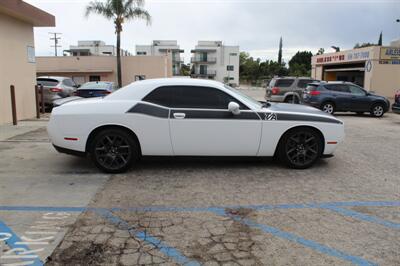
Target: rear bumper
275, 98
70, 152
396, 108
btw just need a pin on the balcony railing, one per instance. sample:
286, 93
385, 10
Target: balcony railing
177, 59
198, 59
204, 73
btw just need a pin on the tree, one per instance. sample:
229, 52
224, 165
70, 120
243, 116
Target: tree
366, 44
185, 70
321, 51
380, 39
300, 63
280, 51
119, 11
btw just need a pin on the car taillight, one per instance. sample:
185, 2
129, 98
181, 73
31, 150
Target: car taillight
275, 90
56, 90
314, 93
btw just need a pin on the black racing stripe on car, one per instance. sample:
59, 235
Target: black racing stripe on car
214, 114
297, 117
150, 110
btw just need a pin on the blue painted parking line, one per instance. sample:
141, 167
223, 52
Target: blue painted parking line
364, 217
168, 251
208, 209
22, 251
305, 242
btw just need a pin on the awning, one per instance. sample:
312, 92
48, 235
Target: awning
345, 69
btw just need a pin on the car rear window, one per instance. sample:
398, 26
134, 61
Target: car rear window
313, 87
95, 86
47, 82
303, 83
284, 82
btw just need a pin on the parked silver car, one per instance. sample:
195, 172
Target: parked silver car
56, 88
287, 89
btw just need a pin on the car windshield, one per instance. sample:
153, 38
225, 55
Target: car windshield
95, 86
245, 97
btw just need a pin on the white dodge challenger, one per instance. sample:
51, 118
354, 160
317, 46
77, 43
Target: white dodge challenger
190, 117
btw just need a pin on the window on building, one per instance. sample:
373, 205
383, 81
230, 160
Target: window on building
94, 78
229, 67
141, 53
194, 97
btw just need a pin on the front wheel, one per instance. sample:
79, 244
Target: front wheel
300, 148
114, 151
377, 110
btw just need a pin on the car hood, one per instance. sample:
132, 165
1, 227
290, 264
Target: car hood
286, 111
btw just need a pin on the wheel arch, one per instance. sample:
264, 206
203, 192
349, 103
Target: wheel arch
98, 129
290, 94
297, 127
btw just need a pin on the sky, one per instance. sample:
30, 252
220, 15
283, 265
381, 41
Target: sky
254, 25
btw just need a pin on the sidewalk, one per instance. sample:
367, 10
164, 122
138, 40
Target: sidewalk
8, 131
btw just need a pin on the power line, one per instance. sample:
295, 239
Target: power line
55, 38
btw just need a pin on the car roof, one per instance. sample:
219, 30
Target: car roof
293, 78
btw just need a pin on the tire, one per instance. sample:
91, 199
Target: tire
328, 107
114, 150
377, 110
291, 99
300, 148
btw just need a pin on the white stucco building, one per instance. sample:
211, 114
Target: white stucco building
214, 60
95, 48
164, 47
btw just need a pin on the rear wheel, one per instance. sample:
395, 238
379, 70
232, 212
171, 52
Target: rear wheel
377, 110
291, 99
114, 150
328, 107
300, 148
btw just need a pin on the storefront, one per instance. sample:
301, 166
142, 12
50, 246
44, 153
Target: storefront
375, 68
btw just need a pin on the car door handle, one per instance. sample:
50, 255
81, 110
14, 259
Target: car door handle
179, 115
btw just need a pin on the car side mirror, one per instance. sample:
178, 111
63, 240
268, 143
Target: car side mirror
234, 108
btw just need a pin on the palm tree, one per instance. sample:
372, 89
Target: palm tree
119, 11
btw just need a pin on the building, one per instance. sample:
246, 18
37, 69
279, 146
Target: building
213, 60
96, 68
375, 68
86, 48
164, 47
17, 53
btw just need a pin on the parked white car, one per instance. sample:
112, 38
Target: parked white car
190, 117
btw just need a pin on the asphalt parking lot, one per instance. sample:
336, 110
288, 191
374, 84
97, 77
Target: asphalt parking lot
59, 210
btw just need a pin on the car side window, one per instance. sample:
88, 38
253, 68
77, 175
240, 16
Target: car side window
333, 87
194, 97
68, 82
356, 90
302, 83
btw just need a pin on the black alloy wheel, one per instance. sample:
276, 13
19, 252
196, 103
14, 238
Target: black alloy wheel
300, 148
114, 151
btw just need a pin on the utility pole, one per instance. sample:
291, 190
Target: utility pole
55, 38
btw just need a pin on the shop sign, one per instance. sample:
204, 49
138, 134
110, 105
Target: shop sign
390, 55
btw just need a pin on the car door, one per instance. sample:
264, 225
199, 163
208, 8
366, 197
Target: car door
360, 102
339, 95
201, 125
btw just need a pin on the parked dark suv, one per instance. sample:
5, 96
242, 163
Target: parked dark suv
331, 97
